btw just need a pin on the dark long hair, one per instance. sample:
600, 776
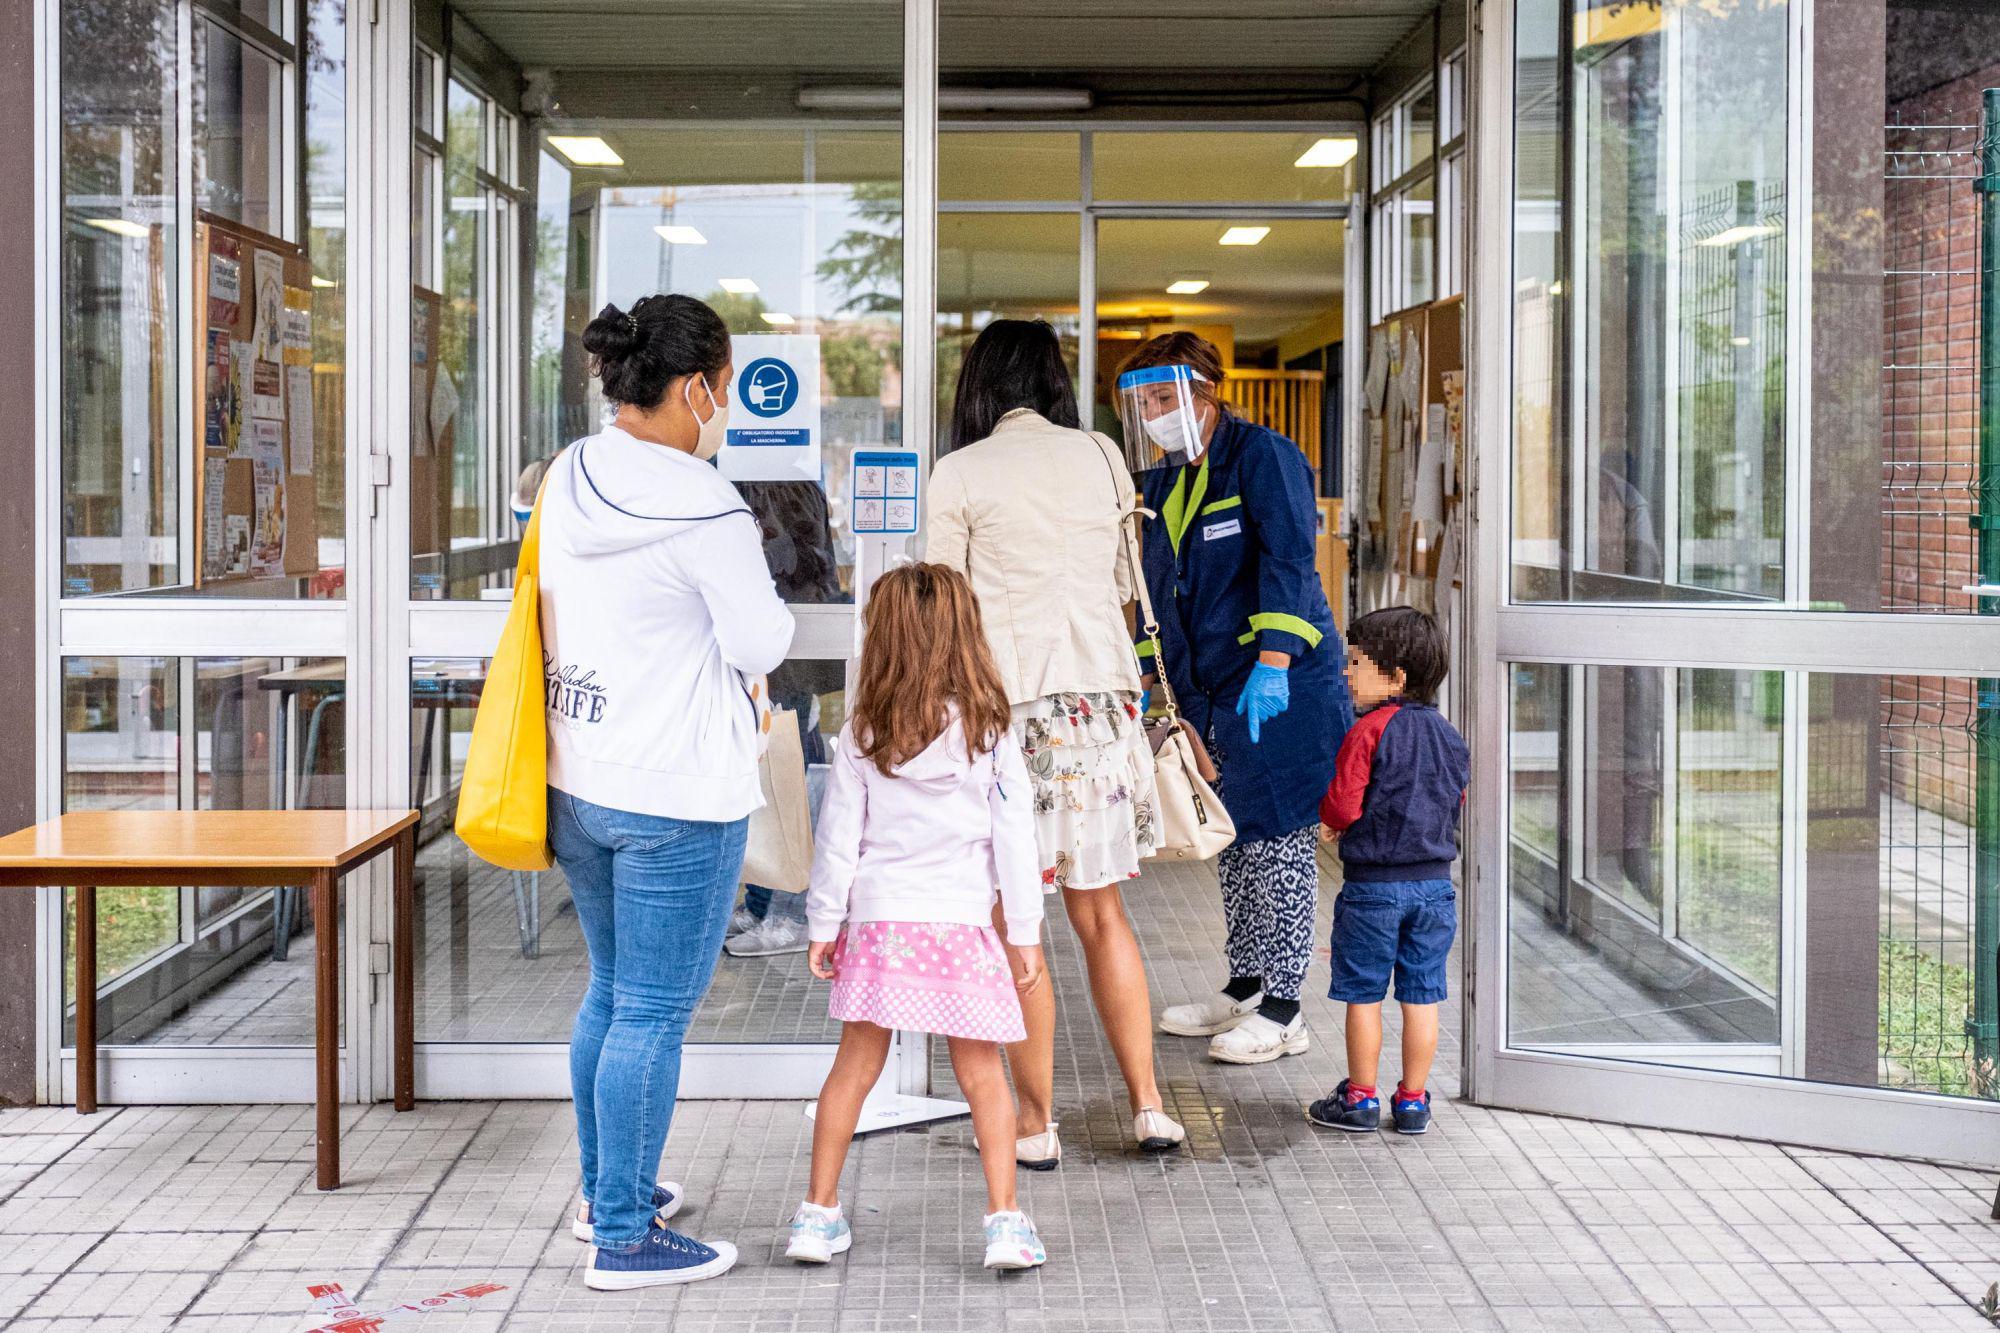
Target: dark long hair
1012, 363
638, 353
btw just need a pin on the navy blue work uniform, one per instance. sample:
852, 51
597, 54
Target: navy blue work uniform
1229, 564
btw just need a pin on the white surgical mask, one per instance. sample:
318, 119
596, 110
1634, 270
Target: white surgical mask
709, 442
1178, 431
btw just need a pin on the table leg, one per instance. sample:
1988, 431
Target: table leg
326, 1024
405, 963
86, 1001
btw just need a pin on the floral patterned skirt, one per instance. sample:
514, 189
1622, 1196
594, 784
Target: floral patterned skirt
1095, 807
951, 980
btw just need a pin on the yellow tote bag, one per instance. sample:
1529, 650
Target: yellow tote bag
503, 802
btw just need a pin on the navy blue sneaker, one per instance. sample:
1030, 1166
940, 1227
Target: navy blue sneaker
1412, 1110
666, 1202
1344, 1108
665, 1256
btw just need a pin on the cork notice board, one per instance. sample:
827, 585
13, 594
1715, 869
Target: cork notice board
256, 503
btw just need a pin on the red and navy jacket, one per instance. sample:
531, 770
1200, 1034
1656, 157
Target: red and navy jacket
1397, 789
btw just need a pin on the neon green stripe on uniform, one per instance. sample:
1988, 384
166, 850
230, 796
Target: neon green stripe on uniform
1220, 505
1278, 620
1182, 506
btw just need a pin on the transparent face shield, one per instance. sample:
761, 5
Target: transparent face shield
1162, 416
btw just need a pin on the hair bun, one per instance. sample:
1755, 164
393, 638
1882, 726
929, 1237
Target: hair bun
613, 335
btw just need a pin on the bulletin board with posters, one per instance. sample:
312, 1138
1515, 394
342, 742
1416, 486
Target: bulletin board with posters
1410, 524
256, 498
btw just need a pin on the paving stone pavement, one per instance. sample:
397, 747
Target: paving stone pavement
205, 1218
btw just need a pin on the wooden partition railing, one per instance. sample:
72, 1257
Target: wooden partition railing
1290, 402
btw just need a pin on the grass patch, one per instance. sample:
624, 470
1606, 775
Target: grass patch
132, 925
1924, 1004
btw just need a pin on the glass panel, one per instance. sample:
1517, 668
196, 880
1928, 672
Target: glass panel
1670, 945
1669, 937
202, 966
135, 106
1416, 123
1265, 306
1001, 266
500, 953
1417, 219
1014, 165
1233, 166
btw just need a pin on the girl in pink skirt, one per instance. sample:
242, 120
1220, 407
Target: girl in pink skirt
927, 808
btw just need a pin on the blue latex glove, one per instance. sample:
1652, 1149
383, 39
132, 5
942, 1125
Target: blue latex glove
1145, 702
1267, 694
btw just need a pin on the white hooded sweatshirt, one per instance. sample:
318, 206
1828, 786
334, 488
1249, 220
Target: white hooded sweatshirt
928, 844
656, 609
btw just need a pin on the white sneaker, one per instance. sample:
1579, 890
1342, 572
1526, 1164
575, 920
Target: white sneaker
667, 1199
740, 920
818, 1234
1205, 1018
1156, 1132
1011, 1242
1258, 1041
768, 938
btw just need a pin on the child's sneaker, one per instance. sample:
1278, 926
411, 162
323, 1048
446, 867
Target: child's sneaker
818, 1234
1348, 1107
1011, 1242
666, 1202
1412, 1110
663, 1257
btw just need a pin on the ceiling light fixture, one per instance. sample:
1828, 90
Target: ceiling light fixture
681, 236
318, 281
1749, 231
1329, 153
1244, 235
777, 319
737, 286
138, 231
1187, 286
586, 150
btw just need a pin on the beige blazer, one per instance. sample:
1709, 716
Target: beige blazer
1030, 515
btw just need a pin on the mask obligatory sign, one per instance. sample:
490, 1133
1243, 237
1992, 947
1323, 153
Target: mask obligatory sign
774, 423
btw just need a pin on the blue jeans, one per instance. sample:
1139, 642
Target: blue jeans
653, 895
1399, 927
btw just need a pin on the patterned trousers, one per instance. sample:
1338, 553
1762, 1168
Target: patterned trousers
1269, 892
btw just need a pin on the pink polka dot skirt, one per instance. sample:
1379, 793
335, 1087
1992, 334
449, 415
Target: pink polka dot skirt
951, 980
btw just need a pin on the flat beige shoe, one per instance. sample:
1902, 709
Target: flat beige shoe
1039, 1152
1155, 1131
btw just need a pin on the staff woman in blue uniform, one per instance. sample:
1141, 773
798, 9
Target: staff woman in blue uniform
1256, 663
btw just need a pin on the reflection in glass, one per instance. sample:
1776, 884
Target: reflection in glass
1009, 165
1001, 266
204, 966
1233, 166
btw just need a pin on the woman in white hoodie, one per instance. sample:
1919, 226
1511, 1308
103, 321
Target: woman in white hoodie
658, 615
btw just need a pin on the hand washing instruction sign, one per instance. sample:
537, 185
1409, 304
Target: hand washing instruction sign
774, 430
884, 493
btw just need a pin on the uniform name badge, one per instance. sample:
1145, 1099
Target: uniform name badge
1228, 528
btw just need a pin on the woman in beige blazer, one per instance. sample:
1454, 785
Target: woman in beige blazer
1028, 506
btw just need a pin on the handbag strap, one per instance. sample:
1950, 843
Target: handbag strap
1129, 519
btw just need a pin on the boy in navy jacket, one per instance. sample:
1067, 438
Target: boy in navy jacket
1394, 805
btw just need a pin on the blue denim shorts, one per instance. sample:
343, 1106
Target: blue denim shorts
1405, 927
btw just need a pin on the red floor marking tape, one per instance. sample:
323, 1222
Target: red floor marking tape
330, 1299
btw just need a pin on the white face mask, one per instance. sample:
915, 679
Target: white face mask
1178, 431
709, 442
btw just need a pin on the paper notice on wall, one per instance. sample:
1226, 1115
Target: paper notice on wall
1427, 500
214, 477
1378, 436
420, 417
774, 416
235, 545
268, 292
298, 330
242, 374
1448, 555
299, 419
225, 280
267, 390
267, 542
444, 403
1376, 380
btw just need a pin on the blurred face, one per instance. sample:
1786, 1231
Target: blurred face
1369, 683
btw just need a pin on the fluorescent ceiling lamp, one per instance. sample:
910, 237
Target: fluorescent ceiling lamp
138, 231
1187, 286
1244, 235
737, 286
318, 281
586, 150
864, 98
1749, 231
1739, 341
681, 236
777, 319
1329, 153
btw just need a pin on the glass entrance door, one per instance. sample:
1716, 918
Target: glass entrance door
553, 177
1739, 777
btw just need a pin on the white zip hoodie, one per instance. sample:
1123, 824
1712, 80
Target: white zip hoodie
656, 606
930, 843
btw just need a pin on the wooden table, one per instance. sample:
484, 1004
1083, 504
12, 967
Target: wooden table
89, 850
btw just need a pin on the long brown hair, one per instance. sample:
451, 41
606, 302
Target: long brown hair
1182, 348
925, 653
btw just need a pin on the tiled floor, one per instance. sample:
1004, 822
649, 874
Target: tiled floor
206, 1218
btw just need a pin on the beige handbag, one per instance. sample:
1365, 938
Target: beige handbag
779, 851
1193, 824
